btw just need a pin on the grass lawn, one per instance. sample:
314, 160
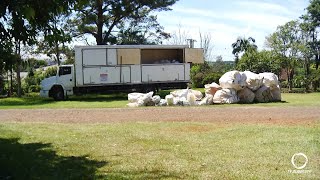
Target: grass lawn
120, 100
157, 150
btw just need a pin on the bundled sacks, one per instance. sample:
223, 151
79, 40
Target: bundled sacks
246, 95
208, 100
140, 99
276, 94
233, 80
235, 86
226, 96
263, 95
253, 80
271, 80
212, 88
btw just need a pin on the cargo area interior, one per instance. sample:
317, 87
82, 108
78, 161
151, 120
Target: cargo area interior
161, 56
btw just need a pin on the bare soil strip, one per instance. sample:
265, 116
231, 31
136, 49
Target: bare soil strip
265, 115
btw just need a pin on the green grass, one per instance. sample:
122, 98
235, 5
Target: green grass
85, 101
120, 100
157, 150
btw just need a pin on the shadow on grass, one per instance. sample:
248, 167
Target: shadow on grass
100, 98
36, 100
39, 161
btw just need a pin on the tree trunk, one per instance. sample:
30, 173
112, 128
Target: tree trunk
57, 53
99, 38
307, 73
19, 90
289, 79
317, 60
11, 81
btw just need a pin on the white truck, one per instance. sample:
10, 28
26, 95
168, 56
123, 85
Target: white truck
109, 68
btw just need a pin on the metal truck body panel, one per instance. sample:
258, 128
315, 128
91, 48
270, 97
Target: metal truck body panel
128, 66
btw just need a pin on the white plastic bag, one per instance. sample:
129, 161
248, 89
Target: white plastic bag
208, 100
169, 99
246, 95
162, 102
270, 80
180, 93
134, 97
253, 80
133, 104
198, 95
233, 80
156, 99
191, 98
227, 96
276, 94
212, 88
263, 94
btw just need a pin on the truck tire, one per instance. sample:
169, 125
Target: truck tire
58, 94
149, 89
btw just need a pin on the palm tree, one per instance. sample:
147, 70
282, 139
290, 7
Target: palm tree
243, 45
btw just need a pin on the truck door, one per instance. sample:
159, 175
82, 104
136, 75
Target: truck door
193, 55
66, 77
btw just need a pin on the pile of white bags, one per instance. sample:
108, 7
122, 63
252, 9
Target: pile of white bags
140, 99
235, 86
184, 97
245, 87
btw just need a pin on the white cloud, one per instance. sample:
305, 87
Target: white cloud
265, 7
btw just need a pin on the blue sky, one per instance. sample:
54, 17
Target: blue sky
225, 20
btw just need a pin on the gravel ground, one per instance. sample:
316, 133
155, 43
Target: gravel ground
264, 115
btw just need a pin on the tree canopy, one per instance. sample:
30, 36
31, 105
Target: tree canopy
101, 18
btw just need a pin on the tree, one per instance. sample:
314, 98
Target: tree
23, 20
205, 43
179, 37
285, 41
94, 16
243, 45
54, 39
145, 30
313, 19
260, 61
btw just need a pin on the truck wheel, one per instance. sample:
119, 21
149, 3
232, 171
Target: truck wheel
149, 89
58, 94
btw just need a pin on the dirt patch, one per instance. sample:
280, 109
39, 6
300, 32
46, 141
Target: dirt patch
225, 115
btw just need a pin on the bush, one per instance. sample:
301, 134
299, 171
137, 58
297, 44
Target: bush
202, 74
211, 77
32, 82
34, 88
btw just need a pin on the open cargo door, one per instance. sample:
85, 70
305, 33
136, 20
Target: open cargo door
193, 55
129, 56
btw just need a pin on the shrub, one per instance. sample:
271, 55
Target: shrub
211, 77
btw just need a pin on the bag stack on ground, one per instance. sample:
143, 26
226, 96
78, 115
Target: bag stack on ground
235, 87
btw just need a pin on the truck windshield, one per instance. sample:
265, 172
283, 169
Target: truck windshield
64, 70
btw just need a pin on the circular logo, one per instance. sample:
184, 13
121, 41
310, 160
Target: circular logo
294, 158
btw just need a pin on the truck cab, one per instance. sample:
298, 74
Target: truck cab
59, 86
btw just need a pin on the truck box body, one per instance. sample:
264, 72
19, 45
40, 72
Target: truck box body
122, 68
106, 65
